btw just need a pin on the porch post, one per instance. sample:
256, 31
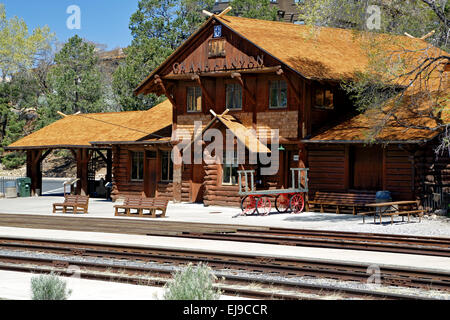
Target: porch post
83, 157
109, 165
34, 171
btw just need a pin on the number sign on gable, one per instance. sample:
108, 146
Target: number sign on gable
217, 31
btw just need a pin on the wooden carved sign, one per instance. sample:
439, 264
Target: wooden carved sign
236, 63
216, 48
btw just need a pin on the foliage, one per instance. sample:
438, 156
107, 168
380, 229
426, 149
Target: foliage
192, 283
74, 81
158, 28
49, 287
411, 78
19, 48
397, 17
256, 9
20, 53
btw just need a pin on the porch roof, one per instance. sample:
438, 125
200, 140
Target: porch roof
244, 135
402, 120
78, 131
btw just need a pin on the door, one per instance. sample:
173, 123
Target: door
198, 174
367, 168
150, 173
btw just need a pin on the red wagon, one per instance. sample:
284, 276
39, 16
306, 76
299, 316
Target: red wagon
258, 201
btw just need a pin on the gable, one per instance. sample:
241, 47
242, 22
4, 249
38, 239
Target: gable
206, 53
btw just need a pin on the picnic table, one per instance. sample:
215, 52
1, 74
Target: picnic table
392, 209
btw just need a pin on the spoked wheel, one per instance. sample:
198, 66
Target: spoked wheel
263, 206
248, 205
282, 203
297, 203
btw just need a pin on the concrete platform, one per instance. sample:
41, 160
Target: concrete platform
368, 258
17, 286
99, 208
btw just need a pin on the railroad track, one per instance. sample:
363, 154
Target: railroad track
333, 239
70, 253
293, 237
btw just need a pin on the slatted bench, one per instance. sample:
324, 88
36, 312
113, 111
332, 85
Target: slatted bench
142, 207
392, 209
341, 200
72, 203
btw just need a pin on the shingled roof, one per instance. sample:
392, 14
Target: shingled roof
320, 53
80, 130
316, 53
411, 118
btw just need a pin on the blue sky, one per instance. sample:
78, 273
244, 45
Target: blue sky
102, 21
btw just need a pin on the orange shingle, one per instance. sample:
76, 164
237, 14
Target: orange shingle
80, 130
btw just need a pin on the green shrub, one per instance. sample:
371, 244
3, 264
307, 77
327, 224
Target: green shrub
49, 287
13, 160
192, 283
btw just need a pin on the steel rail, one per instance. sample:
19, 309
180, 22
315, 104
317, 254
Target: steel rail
425, 279
266, 288
324, 240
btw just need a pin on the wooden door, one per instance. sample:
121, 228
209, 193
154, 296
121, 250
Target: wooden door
150, 174
367, 168
198, 175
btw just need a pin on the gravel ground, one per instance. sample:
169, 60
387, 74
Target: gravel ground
73, 260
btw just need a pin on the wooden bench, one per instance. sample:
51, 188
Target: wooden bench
341, 200
74, 203
392, 209
142, 207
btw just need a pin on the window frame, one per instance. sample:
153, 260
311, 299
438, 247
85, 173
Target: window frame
230, 166
139, 167
324, 97
199, 107
234, 84
279, 90
166, 161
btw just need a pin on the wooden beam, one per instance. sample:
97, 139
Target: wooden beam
290, 84
158, 81
238, 77
207, 13
224, 74
224, 12
61, 114
204, 91
45, 155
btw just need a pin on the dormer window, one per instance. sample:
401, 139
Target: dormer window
194, 99
323, 99
278, 94
234, 96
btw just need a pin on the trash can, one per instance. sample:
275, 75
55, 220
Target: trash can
24, 186
10, 189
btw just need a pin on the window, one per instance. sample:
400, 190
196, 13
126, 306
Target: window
278, 94
194, 99
234, 96
137, 166
166, 166
323, 99
230, 169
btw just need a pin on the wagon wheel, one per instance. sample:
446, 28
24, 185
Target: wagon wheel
282, 203
263, 206
297, 203
248, 205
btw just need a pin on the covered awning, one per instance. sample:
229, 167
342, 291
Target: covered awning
78, 131
244, 135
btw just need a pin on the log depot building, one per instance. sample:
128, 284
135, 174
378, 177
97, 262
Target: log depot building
269, 75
